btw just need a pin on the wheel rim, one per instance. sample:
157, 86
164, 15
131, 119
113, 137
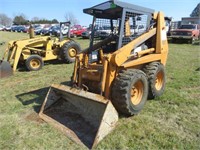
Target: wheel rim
159, 80
72, 52
35, 63
137, 92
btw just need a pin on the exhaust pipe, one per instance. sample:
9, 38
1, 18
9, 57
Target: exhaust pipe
31, 32
84, 117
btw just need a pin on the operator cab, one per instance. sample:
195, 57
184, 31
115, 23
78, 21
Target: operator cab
125, 22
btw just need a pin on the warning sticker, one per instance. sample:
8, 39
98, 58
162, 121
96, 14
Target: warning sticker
164, 35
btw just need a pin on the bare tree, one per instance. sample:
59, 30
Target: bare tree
34, 19
5, 20
70, 17
196, 11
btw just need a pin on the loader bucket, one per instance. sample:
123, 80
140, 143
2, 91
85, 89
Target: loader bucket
84, 117
5, 69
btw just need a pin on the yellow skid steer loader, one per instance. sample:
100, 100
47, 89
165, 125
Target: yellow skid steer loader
35, 51
115, 74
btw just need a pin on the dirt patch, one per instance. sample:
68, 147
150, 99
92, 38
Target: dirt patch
195, 96
34, 117
191, 88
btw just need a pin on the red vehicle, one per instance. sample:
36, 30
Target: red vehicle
77, 30
189, 32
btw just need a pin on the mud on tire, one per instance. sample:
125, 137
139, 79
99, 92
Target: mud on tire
155, 72
129, 91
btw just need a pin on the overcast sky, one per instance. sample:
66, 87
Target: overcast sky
57, 9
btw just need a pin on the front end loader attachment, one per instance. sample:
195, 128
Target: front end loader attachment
84, 117
5, 69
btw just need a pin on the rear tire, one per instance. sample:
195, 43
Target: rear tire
155, 72
69, 51
34, 63
129, 91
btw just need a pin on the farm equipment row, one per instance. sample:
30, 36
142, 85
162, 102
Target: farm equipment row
33, 52
116, 74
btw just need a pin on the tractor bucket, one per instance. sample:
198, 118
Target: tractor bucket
5, 69
84, 117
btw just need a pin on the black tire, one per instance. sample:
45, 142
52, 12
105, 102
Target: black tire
57, 34
69, 51
155, 72
173, 40
122, 90
34, 63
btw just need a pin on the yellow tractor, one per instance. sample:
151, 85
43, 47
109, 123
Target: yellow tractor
115, 74
33, 52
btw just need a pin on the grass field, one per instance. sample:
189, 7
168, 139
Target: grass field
171, 121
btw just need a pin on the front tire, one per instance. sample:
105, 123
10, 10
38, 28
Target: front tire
155, 72
34, 63
69, 51
129, 91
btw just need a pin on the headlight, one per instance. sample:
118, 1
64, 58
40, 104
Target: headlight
189, 33
9, 45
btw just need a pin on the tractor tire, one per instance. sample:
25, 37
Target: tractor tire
130, 91
69, 51
155, 72
34, 63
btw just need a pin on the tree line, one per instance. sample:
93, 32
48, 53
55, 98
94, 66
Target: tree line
22, 19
